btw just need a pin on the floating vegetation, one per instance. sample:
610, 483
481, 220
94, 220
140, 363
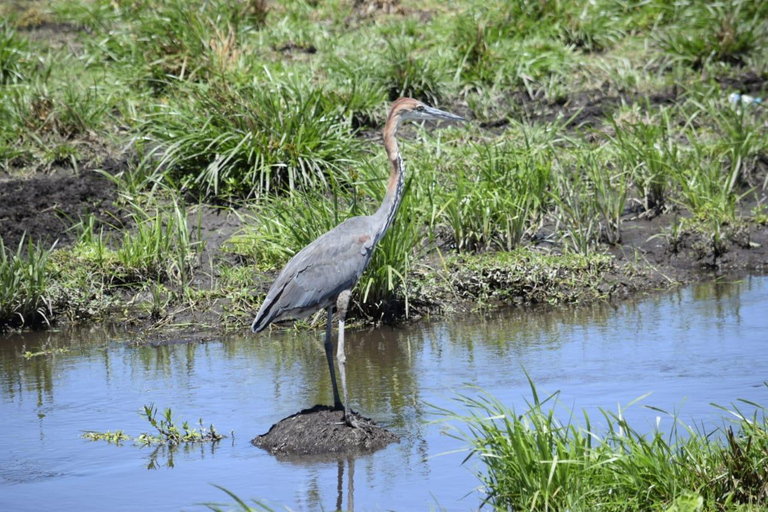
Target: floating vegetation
45, 352
167, 431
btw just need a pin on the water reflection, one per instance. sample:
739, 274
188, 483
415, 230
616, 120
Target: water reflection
701, 344
162, 456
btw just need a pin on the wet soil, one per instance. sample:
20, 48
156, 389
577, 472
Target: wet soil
321, 431
45, 206
590, 108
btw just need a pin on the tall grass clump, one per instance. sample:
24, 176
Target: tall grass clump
241, 141
16, 61
703, 188
739, 140
407, 74
607, 187
647, 150
473, 46
727, 31
170, 41
534, 461
355, 89
24, 285
497, 197
591, 26
35, 112
576, 215
160, 247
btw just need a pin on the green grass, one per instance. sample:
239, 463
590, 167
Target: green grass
16, 60
532, 460
407, 74
724, 31
495, 203
24, 285
246, 140
161, 246
274, 110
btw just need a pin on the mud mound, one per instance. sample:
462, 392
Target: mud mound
45, 206
321, 431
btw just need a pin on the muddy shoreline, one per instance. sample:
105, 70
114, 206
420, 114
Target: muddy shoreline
649, 259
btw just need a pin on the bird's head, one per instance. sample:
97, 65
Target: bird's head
409, 109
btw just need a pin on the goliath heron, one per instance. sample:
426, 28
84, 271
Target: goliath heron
323, 274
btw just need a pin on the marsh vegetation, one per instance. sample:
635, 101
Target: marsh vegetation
589, 120
535, 460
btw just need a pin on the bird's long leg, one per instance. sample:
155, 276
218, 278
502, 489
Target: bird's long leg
329, 356
341, 306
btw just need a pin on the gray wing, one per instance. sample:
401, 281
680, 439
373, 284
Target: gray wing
317, 274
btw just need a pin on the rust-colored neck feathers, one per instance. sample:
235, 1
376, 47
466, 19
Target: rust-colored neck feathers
396, 184
398, 108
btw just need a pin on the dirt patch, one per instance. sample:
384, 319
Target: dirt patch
586, 109
591, 107
746, 83
56, 35
45, 206
321, 431
688, 255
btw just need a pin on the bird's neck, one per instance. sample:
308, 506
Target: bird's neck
385, 215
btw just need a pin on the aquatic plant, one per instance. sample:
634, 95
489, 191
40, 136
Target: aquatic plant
170, 433
167, 432
533, 461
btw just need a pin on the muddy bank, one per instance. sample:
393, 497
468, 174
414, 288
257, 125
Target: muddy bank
651, 257
46, 206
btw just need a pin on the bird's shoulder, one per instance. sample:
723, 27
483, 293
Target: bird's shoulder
330, 264
354, 234
343, 247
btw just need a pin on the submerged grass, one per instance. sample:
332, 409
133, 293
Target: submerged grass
534, 461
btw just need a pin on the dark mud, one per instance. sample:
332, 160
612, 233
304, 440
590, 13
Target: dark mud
46, 206
320, 432
588, 109
591, 108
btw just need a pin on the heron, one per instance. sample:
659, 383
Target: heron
323, 274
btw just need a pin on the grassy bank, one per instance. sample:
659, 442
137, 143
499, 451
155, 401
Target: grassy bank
531, 460
586, 116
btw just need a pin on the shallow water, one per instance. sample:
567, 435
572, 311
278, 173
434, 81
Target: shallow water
703, 344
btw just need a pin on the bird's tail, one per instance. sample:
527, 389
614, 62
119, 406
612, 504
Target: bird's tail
268, 311
259, 324
265, 315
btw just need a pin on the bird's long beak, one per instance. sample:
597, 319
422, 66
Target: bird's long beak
442, 114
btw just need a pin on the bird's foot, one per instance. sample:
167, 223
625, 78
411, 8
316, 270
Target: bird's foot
349, 419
